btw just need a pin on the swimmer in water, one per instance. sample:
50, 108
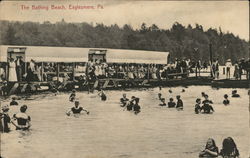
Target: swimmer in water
234, 94
163, 103
206, 100
124, 100
226, 101
22, 119
179, 104
211, 150
5, 120
102, 95
203, 94
13, 102
130, 104
159, 96
136, 106
76, 109
171, 103
207, 108
197, 108
72, 96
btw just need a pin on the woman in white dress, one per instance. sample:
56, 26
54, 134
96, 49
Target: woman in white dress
12, 71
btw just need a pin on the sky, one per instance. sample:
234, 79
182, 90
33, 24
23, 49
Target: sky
231, 16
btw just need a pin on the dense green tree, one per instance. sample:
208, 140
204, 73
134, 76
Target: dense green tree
181, 42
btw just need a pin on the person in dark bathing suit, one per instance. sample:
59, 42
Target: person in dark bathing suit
136, 106
72, 96
124, 100
210, 151
226, 101
207, 108
234, 94
207, 100
229, 149
179, 104
197, 108
163, 102
76, 109
22, 119
102, 95
13, 102
171, 103
131, 103
5, 120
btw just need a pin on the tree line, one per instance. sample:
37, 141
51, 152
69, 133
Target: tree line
191, 42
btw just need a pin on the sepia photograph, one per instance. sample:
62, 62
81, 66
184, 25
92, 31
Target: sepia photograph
124, 79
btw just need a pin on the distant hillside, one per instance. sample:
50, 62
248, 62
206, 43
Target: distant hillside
189, 42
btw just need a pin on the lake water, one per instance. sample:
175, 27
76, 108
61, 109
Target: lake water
110, 132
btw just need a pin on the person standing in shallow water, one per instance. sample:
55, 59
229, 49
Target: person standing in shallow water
226, 101
179, 104
22, 119
76, 109
210, 151
197, 108
124, 100
171, 103
136, 106
5, 120
102, 95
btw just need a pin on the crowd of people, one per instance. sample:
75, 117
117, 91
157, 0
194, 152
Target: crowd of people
22, 121
18, 70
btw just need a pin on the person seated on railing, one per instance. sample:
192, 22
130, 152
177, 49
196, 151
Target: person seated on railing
2, 73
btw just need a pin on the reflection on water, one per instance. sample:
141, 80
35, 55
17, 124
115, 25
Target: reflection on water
111, 132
